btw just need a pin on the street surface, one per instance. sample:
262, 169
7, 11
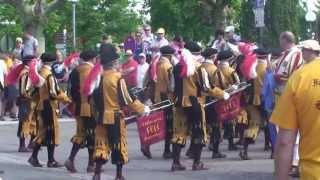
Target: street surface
14, 166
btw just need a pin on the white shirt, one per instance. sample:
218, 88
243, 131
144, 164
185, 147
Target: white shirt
30, 46
141, 74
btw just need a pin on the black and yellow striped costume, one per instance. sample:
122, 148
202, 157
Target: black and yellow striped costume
111, 133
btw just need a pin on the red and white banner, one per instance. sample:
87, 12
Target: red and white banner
152, 128
230, 109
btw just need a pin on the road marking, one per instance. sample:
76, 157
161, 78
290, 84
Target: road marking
5, 123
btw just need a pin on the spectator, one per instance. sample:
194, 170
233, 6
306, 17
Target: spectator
129, 70
298, 111
3, 71
58, 68
142, 70
231, 37
139, 47
148, 38
17, 51
129, 43
220, 43
160, 41
30, 46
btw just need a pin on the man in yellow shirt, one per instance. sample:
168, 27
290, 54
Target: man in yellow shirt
299, 110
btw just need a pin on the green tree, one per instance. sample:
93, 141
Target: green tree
33, 15
247, 21
195, 19
281, 16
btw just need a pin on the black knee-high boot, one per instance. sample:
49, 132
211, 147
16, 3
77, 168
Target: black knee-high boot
52, 163
69, 164
33, 160
90, 167
119, 172
197, 164
244, 153
97, 171
176, 165
22, 145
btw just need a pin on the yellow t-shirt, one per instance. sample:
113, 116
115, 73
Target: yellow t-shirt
299, 108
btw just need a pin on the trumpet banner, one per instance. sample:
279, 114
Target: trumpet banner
229, 109
152, 128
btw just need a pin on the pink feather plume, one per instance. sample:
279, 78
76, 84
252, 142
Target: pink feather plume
153, 68
14, 74
250, 60
92, 77
71, 59
33, 72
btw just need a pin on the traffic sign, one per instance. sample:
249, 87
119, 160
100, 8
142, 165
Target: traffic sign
259, 17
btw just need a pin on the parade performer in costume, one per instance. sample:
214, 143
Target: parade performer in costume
211, 116
163, 92
191, 82
256, 112
227, 77
25, 103
47, 112
84, 136
109, 94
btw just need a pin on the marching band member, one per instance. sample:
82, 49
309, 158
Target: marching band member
190, 81
208, 64
84, 136
25, 103
109, 96
47, 113
257, 114
163, 92
227, 77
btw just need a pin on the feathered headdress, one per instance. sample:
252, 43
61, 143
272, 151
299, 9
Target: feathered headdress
248, 67
153, 67
90, 81
36, 79
71, 59
14, 74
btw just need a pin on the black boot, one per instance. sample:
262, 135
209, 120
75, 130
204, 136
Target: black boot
97, 172
22, 145
33, 160
231, 146
91, 165
69, 164
167, 154
244, 153
146, 151
197, 164
190, 151
31, 143
216, 154
52, 163
176, 165
119, 173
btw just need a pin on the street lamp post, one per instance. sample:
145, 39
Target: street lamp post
74, 22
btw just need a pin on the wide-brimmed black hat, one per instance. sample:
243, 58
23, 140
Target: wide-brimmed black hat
225, 55
167, 50
88, 55
209, 52
193, 47
261, 52
108, 55
48, 57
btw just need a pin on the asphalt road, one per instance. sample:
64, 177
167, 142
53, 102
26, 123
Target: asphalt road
14, 166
